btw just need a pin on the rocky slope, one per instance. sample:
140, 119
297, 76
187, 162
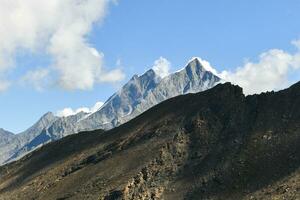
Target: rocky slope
217, 144
143, 92
136, 96
9, 148
5, 136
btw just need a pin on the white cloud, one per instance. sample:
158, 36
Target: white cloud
162, 67
271, 72
66, 112
296, 43
69, 111
36, 78
112, 76
205, 64
57, 28
4, 85
96, 107
274, 70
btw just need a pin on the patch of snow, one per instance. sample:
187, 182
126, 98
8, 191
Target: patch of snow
129, 112
205, 64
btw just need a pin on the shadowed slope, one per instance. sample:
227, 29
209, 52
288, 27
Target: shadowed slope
217, 144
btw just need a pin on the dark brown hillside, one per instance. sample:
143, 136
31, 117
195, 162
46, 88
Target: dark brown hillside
217, 144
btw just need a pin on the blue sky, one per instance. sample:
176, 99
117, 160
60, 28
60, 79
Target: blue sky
133, 34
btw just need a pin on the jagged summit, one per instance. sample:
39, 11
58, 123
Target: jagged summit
139, 94
5, 136
198, 64
3, 131
48, 116
148, 73
19, 140
143, 92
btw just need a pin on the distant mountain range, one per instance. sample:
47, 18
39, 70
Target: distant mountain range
216, 145
138, 95
5, 136
15, 143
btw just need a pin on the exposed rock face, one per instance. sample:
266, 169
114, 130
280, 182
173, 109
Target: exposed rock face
5, 136
153, 179
135, 97
217, 144
12, 146
141, 93
122, 105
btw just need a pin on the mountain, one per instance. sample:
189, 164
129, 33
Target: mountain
5, 136
47, 129
9, 148
217, 144
141, 93
138, 95
121, 106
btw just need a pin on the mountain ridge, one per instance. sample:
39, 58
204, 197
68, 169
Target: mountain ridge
5, 136
217, 144
19, 140
137, 95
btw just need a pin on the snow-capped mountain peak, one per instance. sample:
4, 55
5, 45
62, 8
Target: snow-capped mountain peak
200, 64
138, 95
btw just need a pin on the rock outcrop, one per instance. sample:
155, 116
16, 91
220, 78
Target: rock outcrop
218, 144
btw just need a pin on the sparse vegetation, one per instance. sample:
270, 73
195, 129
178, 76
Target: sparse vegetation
217, 144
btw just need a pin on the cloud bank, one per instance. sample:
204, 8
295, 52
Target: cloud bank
36, 78
271, 72
69, 111
162, 67
58, 29
4, 85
